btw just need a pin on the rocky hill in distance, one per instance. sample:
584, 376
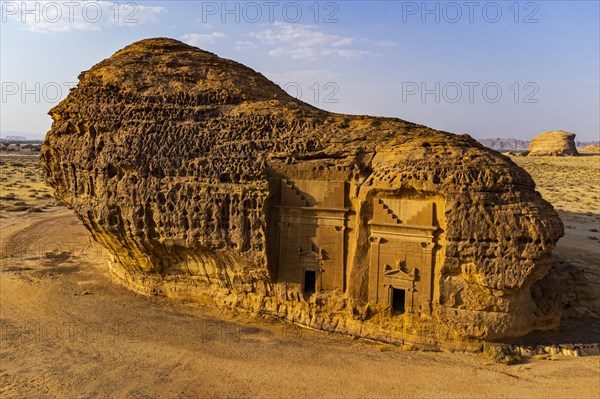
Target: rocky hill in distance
591, 149
510, 144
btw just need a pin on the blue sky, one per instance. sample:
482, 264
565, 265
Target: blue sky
489, 69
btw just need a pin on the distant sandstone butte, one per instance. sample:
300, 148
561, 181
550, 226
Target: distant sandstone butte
591, 149
207, 182
556, 143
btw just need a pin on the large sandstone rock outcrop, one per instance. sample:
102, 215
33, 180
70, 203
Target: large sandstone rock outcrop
207, 182
556, 143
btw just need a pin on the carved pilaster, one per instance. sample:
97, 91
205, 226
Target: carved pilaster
426, 278
374, 269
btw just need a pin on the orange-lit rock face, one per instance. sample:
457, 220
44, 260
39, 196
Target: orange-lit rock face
556, 143
208, 182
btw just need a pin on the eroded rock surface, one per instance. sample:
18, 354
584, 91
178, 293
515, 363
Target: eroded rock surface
207, 182
556, 143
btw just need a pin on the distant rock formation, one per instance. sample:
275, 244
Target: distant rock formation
207, 182
556, 143
583, 144
591, 149
503, 144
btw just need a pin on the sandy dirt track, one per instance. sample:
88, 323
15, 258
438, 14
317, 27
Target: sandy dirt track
68, 331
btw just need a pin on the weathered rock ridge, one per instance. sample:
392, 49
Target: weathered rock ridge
556, 143
207, 182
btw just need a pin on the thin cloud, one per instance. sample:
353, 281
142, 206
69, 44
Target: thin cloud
304, 35
245, 45
199, 39
380, 43
304, 42
41, 17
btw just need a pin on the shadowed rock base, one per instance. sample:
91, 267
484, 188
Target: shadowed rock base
326, 311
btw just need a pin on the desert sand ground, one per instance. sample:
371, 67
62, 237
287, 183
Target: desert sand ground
68, 331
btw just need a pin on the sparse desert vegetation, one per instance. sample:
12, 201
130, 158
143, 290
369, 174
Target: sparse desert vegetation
22, 186
569, 183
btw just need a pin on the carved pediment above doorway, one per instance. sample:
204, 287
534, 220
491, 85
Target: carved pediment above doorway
399, 271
